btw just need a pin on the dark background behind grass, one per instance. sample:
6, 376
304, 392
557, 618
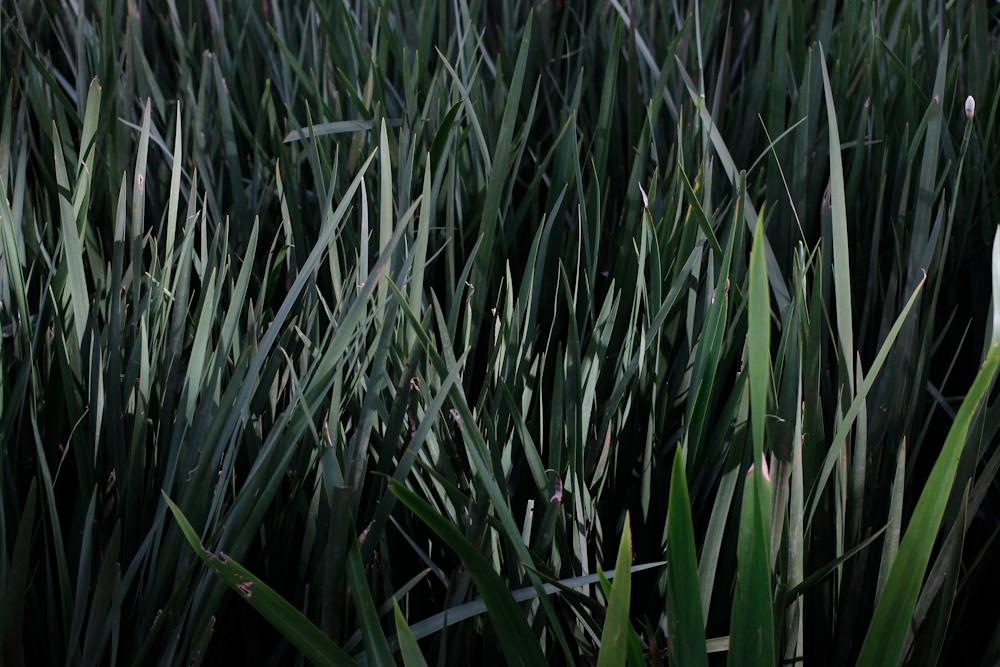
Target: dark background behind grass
116, 403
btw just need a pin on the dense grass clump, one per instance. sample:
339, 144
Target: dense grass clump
342, 332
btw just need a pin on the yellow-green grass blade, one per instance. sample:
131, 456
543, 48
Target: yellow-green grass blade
618, 625
633, 652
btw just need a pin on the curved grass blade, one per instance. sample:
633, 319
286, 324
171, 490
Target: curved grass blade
887, 632
852, 412
338, 127
568, 587
516, 639
288, 620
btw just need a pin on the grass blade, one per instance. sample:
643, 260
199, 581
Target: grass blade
498, 176
686, 631
412, 657
288, 620
887, 632
516, 639
618, 625
841, 257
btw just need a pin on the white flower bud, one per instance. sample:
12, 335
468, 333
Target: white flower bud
970, 106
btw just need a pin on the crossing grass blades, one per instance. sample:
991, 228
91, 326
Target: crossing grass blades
444, 333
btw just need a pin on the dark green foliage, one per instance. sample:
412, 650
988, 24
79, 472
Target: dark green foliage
410, 323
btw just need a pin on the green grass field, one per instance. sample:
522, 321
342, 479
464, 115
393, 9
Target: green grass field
451, 332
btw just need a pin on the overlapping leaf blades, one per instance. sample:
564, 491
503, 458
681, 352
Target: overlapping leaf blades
541, 274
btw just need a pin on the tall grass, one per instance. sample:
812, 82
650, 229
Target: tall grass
446, 333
